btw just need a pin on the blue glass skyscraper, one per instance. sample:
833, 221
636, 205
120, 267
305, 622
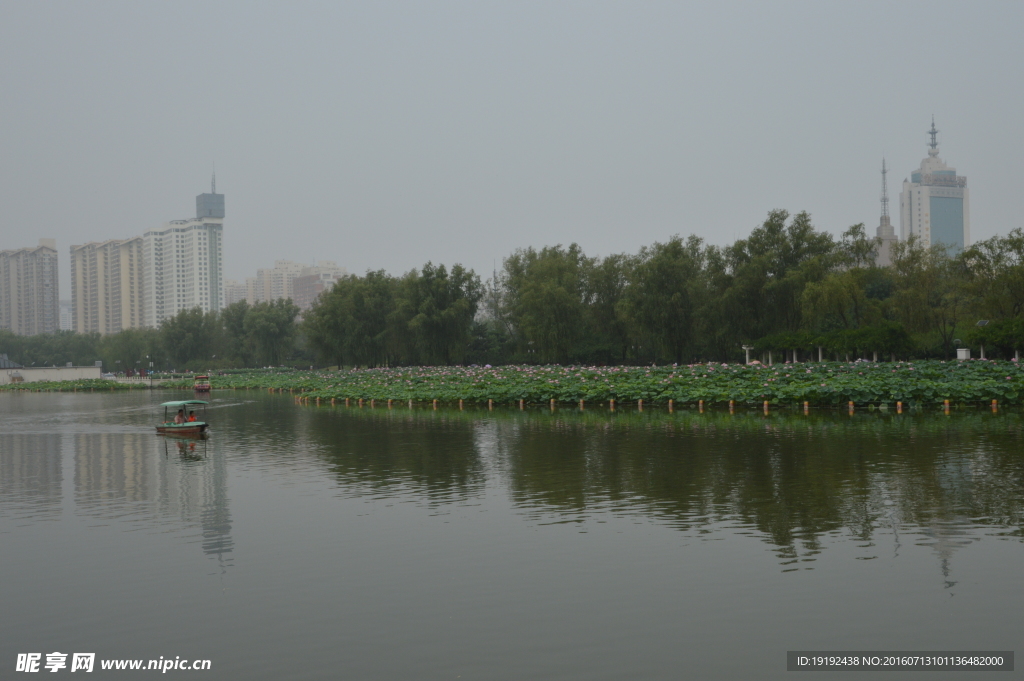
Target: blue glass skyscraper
934, 203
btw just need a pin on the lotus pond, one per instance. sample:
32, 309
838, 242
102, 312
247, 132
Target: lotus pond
820, 383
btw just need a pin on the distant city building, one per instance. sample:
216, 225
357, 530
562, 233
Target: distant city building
28, 289
183, 262
934, 204
66, 319
885, 233
313, 281
234, 291
107, 286
276, 283
291, 280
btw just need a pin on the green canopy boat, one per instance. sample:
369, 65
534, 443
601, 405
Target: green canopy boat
182, 425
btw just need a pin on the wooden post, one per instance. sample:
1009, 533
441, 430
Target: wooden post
346, 401
766, 406
373, 403
410, 404
850, 404
899, 407
460, 405
389, 403
490, 405
522, 406
318, 401
671, 406
639, 405
552, 404
995, 405
700, 406
332, 401
360, 402
435, 405
581, 405
807, 406
732, 404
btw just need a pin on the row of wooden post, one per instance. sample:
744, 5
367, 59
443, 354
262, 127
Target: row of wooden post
611, 405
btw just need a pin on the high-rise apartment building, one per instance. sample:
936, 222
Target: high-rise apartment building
288, 280
107, 286
234, 292
66, 318
29, 302
313, 281
276, 282
934, 204
183, 262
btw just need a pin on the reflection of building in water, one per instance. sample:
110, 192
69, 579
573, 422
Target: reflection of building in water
116, 471
110, 467
948, 537
30, 473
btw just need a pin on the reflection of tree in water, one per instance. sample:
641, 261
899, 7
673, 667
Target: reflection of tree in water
432, 454
790, 479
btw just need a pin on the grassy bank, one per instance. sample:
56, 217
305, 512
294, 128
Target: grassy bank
82, 385
822, 384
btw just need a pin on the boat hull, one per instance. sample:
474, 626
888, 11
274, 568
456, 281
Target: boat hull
185, 429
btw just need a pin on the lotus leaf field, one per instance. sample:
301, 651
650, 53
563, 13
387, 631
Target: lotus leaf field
821, 384
80, 385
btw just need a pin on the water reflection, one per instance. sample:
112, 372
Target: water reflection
121, 475
793, 481
433, 456
31, 475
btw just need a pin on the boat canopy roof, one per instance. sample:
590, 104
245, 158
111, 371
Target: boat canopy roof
199, 376
182, 403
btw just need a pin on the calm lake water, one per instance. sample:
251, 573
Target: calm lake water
318, 543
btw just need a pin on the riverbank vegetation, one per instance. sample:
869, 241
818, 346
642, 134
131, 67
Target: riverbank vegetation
820, 383
786, 291
79, 385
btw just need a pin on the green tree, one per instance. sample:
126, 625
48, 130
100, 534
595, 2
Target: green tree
189, 336
545, 297
443, 307
270, 326
769, 271
664, 295
237, 345
930, 293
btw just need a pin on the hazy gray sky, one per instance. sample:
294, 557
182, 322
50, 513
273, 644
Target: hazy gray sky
383, 135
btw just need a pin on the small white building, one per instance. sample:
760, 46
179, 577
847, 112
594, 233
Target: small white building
12, 372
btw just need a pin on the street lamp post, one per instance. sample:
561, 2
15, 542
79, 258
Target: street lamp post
747, 349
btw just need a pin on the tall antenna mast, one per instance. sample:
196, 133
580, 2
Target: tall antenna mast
213, 183
885, 193
934, 133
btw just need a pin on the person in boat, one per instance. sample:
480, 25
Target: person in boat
192, 417
179, 418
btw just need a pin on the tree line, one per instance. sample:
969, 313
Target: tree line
240, 335
786, 288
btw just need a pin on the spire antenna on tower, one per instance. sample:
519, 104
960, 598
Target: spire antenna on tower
885, 193
934, 133
213, 182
